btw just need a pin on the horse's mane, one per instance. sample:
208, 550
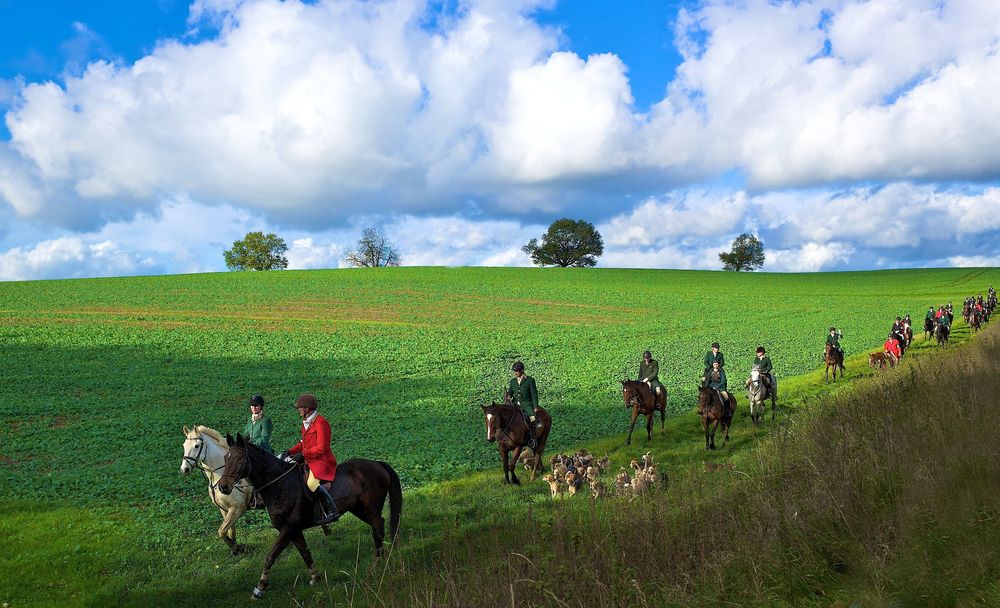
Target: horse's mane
211, 434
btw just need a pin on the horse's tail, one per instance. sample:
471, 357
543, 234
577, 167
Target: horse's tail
395, 500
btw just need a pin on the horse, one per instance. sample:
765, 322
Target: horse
835, 359
975, 320
205, 449
879, 360
714, 412
941, 333
506, 425
360, 487
641, 399
757, 394
928, 327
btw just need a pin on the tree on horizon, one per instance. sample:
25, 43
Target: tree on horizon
567, 243
747, 253
257, 251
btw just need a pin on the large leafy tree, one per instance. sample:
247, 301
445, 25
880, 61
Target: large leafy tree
747, 253
373, 250
257, 251
567, 243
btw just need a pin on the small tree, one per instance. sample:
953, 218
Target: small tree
373, 250
257, 251
567, 243
747, 254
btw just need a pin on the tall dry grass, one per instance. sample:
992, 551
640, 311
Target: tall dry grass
886, 494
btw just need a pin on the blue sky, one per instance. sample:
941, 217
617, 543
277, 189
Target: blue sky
144, 137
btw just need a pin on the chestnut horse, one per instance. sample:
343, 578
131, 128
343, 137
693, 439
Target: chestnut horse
835, 359
505, 424
291, 505
714, 412
640, 398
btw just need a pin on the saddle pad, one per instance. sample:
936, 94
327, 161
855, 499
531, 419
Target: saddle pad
341, 487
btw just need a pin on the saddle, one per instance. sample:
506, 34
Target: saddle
339, 488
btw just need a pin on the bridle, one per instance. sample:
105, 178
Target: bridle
249, 469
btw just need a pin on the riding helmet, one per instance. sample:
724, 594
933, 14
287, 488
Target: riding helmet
307, 401
760, 349
715, 345
257, 400
833, 329
517, 367
646, 353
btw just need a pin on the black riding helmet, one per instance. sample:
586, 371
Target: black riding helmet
517, 367
257, 400
647, 355
715, 345
760, 349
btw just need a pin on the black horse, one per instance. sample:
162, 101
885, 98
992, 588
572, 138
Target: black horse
290, 504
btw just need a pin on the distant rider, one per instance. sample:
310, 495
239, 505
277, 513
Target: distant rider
711, 357
649, 371
716, 379
524, 394
834, 340
762, 363
315, 448
891, 347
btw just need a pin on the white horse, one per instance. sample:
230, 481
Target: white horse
757, 394
205, 449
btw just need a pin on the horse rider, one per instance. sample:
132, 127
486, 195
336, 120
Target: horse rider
897, 326
716, 379
891, 347
524, 393
762, 363
315, 448
930, 314
258, 429
834, 340
945, 319
649, 371
713, 356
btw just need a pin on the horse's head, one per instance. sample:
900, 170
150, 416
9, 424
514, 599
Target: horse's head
237, 464
194, 449
755, 375
630, 393
704, 398
490, 415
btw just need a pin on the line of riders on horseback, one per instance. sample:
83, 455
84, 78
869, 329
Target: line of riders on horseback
319, 493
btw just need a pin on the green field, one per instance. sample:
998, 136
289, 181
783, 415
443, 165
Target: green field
100, 376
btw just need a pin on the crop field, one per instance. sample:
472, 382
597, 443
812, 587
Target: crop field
101, 374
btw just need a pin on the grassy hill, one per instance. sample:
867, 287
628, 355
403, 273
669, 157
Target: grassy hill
101, 375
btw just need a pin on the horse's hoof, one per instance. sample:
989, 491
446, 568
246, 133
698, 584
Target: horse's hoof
257, 593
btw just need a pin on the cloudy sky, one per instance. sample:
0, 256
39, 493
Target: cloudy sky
145, 136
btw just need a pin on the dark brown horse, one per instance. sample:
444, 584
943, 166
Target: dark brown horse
640, 398
292, 508
835, 359
505, 424
714, 412
928, 327
941, 333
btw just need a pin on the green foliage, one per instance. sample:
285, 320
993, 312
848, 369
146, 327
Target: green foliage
567, 243
747, 253
101, 374
257, 251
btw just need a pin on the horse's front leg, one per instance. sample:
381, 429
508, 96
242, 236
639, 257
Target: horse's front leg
503, 460
284, 535
227, 531
300, 544
715, 426
649, 425
515, 458
635, 416
704, 427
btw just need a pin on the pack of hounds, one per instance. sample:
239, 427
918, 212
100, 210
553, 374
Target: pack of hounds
571, 472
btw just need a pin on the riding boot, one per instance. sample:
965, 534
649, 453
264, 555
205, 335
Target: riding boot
329, 506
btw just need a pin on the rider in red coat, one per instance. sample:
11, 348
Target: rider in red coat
892, 347
315, 448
